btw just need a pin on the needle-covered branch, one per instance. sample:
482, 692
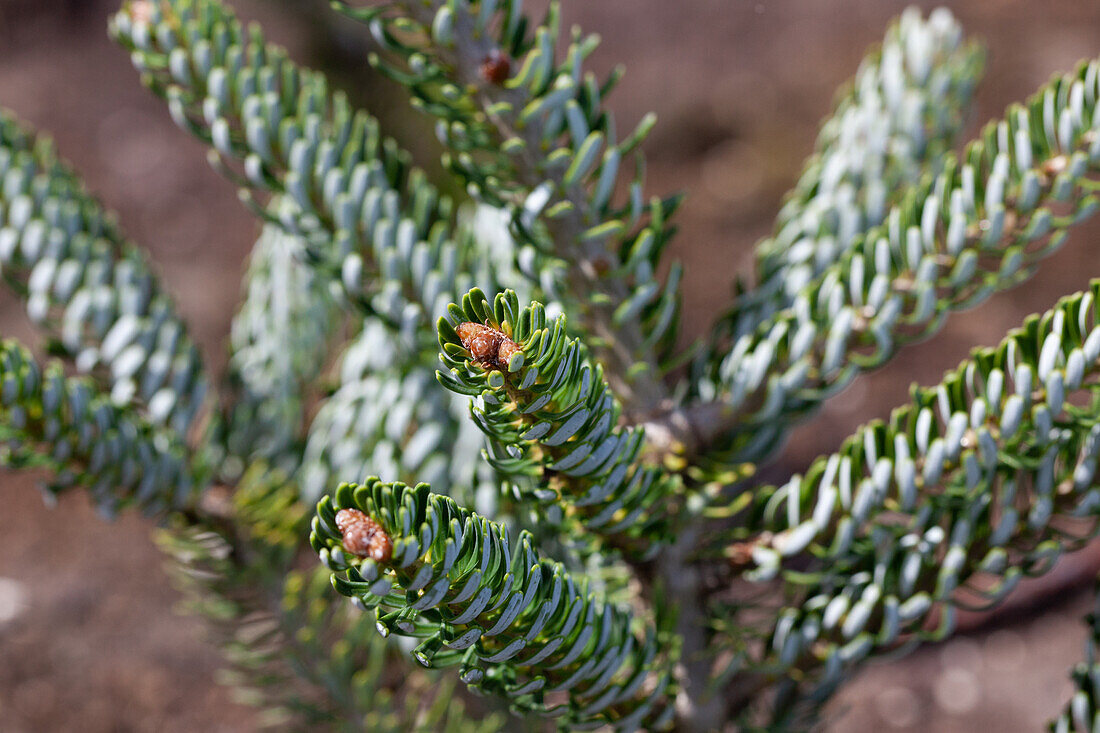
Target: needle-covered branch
296, 652
892, 127
390, 418
367, 218
519, 625
526, 128
71, 428
279, 340
979, 226
649, 617
552, 421
983, 480
89, 288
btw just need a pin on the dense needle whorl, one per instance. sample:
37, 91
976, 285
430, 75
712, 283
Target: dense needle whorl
363, 536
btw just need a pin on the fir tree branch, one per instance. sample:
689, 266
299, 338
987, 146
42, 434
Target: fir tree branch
389, 417
893, 126
553, 422
533, 136
367, 219
295, 653
978, 227
279, 341
71, 428
985, 479
520, 626
90, 289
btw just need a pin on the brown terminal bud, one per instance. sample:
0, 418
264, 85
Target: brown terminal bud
507, 349
496, 67
488, 347
363, 536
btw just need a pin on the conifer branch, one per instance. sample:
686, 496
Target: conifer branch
368, 220
893, 126
390, 417
529, 132
68, 426
980, 226
279, 342
294, 652
520, 626
651, 618
983, 480
89, 288
552, 421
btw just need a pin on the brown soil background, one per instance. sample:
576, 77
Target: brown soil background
89, 639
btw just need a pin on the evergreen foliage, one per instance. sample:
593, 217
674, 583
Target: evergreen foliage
652, 583
90, 289
975, 228
518, 625
70, 427
981, 481
526, 129
892, 127
279, 342
296, 656
553, 424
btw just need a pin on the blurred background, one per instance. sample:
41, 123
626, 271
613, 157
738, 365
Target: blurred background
89, 639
